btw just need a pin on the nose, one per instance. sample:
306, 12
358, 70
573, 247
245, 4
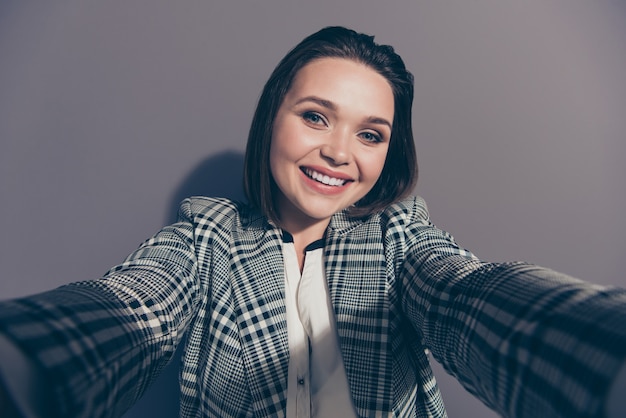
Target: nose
336, 150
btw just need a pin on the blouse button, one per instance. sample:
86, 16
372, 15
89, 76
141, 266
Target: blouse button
301, 381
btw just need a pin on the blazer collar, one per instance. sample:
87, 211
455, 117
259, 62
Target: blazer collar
340, 223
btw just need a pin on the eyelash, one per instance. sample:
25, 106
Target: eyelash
315, 119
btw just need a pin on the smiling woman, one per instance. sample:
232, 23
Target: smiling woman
325, 294
329, 143
378, 63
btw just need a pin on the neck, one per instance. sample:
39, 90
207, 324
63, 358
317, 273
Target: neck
305, 234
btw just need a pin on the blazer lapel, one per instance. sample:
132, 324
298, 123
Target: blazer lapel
356, 275
259, 292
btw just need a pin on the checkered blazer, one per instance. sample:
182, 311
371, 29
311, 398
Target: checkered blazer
529, 342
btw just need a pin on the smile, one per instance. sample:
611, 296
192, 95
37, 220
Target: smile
324, 179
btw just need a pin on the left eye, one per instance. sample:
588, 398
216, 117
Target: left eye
371, 137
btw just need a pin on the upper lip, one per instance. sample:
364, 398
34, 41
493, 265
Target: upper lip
327, 172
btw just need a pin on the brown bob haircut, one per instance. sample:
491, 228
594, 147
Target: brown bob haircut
399, 173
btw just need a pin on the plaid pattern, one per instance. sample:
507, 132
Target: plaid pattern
527, 341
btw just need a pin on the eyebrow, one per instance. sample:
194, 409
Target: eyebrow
331, 106
324, 103
379, 121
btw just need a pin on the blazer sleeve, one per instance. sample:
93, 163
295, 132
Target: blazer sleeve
526, 340
99, 344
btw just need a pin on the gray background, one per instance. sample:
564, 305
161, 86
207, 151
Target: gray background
111, 112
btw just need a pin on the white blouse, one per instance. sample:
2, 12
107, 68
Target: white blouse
317, 383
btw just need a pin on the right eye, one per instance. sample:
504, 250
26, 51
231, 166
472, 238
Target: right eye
313, 118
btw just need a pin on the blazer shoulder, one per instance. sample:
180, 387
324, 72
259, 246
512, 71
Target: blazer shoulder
409, 210
203, 210
208, 206
220, 213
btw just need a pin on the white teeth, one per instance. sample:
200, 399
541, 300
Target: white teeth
330, 181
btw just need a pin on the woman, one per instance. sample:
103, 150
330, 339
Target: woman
323, 295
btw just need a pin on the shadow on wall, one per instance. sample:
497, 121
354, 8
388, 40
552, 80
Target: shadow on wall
220, 175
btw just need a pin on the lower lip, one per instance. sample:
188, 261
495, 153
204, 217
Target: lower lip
321, 187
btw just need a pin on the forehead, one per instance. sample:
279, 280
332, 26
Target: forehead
344, 82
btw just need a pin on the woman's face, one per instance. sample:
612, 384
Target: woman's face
330, 139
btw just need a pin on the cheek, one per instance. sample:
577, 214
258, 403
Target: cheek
280, 156
374, 165
279, 140
288, 144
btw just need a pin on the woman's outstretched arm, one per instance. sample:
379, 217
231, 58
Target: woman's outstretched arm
99, 344
528, 341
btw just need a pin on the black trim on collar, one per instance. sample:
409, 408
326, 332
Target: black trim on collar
315, 245
288, 238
